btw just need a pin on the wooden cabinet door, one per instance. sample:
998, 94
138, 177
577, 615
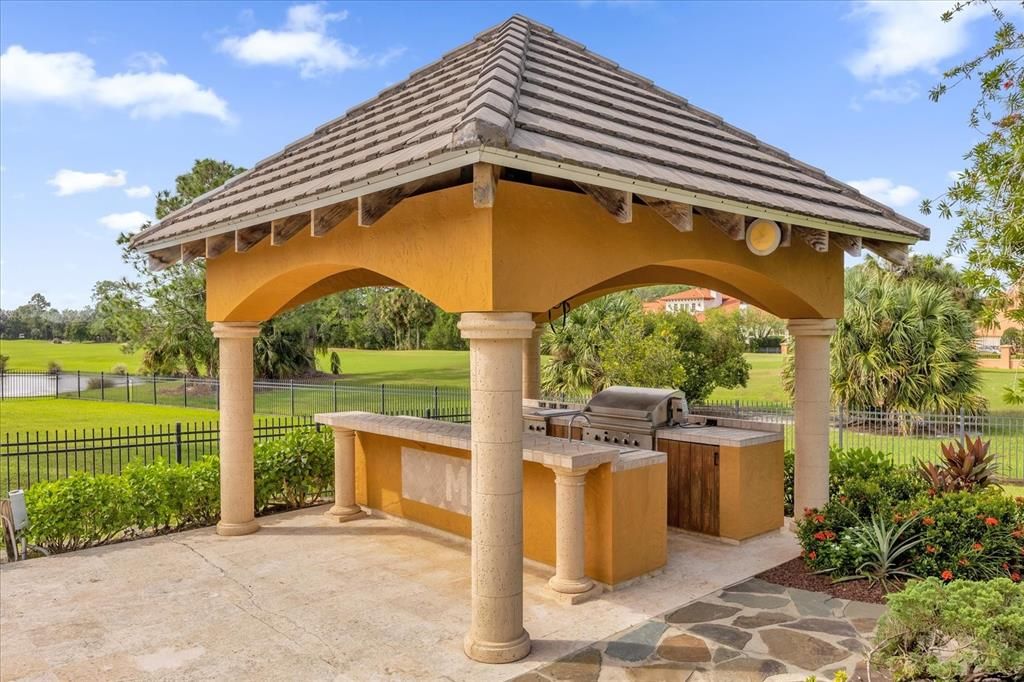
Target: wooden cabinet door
692, 486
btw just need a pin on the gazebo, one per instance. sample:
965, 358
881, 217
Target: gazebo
516, 177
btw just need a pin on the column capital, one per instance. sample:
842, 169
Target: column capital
565, 476
236, 330
811, 327
496, 325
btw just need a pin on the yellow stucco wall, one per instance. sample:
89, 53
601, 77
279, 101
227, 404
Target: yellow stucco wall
750, 497
534, 249
625, 511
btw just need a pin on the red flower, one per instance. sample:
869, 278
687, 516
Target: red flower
947, 575
819, 518
977, 547
1006, 566
812, 555
964, 562
897, 517
928, 521
807, 512
930, 549
1015, 577
1018, 534
991, 521
1007, 85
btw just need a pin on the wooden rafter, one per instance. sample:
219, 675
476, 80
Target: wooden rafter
679, 216
617, 202
485, 184
192, 250
219, 244
248, 237
163, 258
732, 224
373, 207
897, 254
816, 239
848, 243
787, 234
284, 229
323, 220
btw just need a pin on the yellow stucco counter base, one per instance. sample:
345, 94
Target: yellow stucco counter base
419, 469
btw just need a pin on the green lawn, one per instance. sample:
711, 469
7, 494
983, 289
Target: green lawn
430, 367
93, 357
49, 414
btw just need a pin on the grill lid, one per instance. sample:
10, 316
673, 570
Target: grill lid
630, 401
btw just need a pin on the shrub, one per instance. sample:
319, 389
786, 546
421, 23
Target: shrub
886, 547
3, 362
960, 631
295, 470
95, 383
335, 362
53, 367
120, 368
962, 467
78, 511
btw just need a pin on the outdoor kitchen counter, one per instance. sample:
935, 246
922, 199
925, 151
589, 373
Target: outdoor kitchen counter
719, 435
419, 469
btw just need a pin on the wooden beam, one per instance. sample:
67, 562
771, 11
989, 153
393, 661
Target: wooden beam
787, 234
219, 244
615, 201
248, 237
192, 250
284, 229
847, 243
679, 216
733, 225
897, 254
485, 184
373, 207
163, 258
323, 220
817, 239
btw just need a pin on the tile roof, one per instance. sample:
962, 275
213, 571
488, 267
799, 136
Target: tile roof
519, 93
697, 293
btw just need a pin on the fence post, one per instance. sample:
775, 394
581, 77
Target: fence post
382, 398
79, 383
291, 393
154, 388
184, 391
177, 442
128, 386
335, 384
56, 385
437, 409
103, 388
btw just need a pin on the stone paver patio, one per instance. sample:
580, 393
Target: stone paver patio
307, 598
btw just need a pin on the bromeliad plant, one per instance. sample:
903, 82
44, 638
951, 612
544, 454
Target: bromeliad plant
963, 468
886, 548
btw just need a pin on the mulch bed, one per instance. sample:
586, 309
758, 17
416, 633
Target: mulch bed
795, 574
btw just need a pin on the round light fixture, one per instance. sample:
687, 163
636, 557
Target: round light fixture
763, 236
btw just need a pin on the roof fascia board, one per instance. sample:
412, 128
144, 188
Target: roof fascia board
560, 169
423, 169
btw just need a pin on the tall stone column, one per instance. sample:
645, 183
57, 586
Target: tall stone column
811, 407
237, 501
496, 634
345, 507
570, 582
531, 365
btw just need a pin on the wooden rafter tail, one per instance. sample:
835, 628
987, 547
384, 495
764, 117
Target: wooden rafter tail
897, 254
787, 234
815, 238
163, 258
248, 237
323, 220
219, 244
373, 207
192, 250
733, 225
485, 184
848, 243
284, 229
679, 216
617, 202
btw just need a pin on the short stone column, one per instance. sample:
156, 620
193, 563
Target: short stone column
570, 583
345, 507
237, 498
496, 634
811, 405
1005, 356
531, 365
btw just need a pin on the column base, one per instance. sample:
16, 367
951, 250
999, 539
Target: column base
497, 652
227, 529
346, 513
573, 598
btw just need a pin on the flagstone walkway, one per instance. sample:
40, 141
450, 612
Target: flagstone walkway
751, 631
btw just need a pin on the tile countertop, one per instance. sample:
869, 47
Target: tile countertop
552, 452
720, 435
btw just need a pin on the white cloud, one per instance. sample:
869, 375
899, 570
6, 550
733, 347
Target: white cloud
146, 61
886, 191
75, 182
303, 43
125, 222
138, 192
70, 78
907, 36
899, 94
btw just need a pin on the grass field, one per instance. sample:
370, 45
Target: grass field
92, 357
47, 414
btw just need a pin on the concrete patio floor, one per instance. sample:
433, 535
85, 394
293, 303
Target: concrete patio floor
306, 598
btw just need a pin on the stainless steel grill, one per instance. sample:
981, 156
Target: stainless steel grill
630, 416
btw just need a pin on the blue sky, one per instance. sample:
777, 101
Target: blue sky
102, 104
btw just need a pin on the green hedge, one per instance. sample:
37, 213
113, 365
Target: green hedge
86, 510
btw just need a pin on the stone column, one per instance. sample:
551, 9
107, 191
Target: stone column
1005, 357
570, 582
237, 501
345, 507
811, 405
531, 365
496, 634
